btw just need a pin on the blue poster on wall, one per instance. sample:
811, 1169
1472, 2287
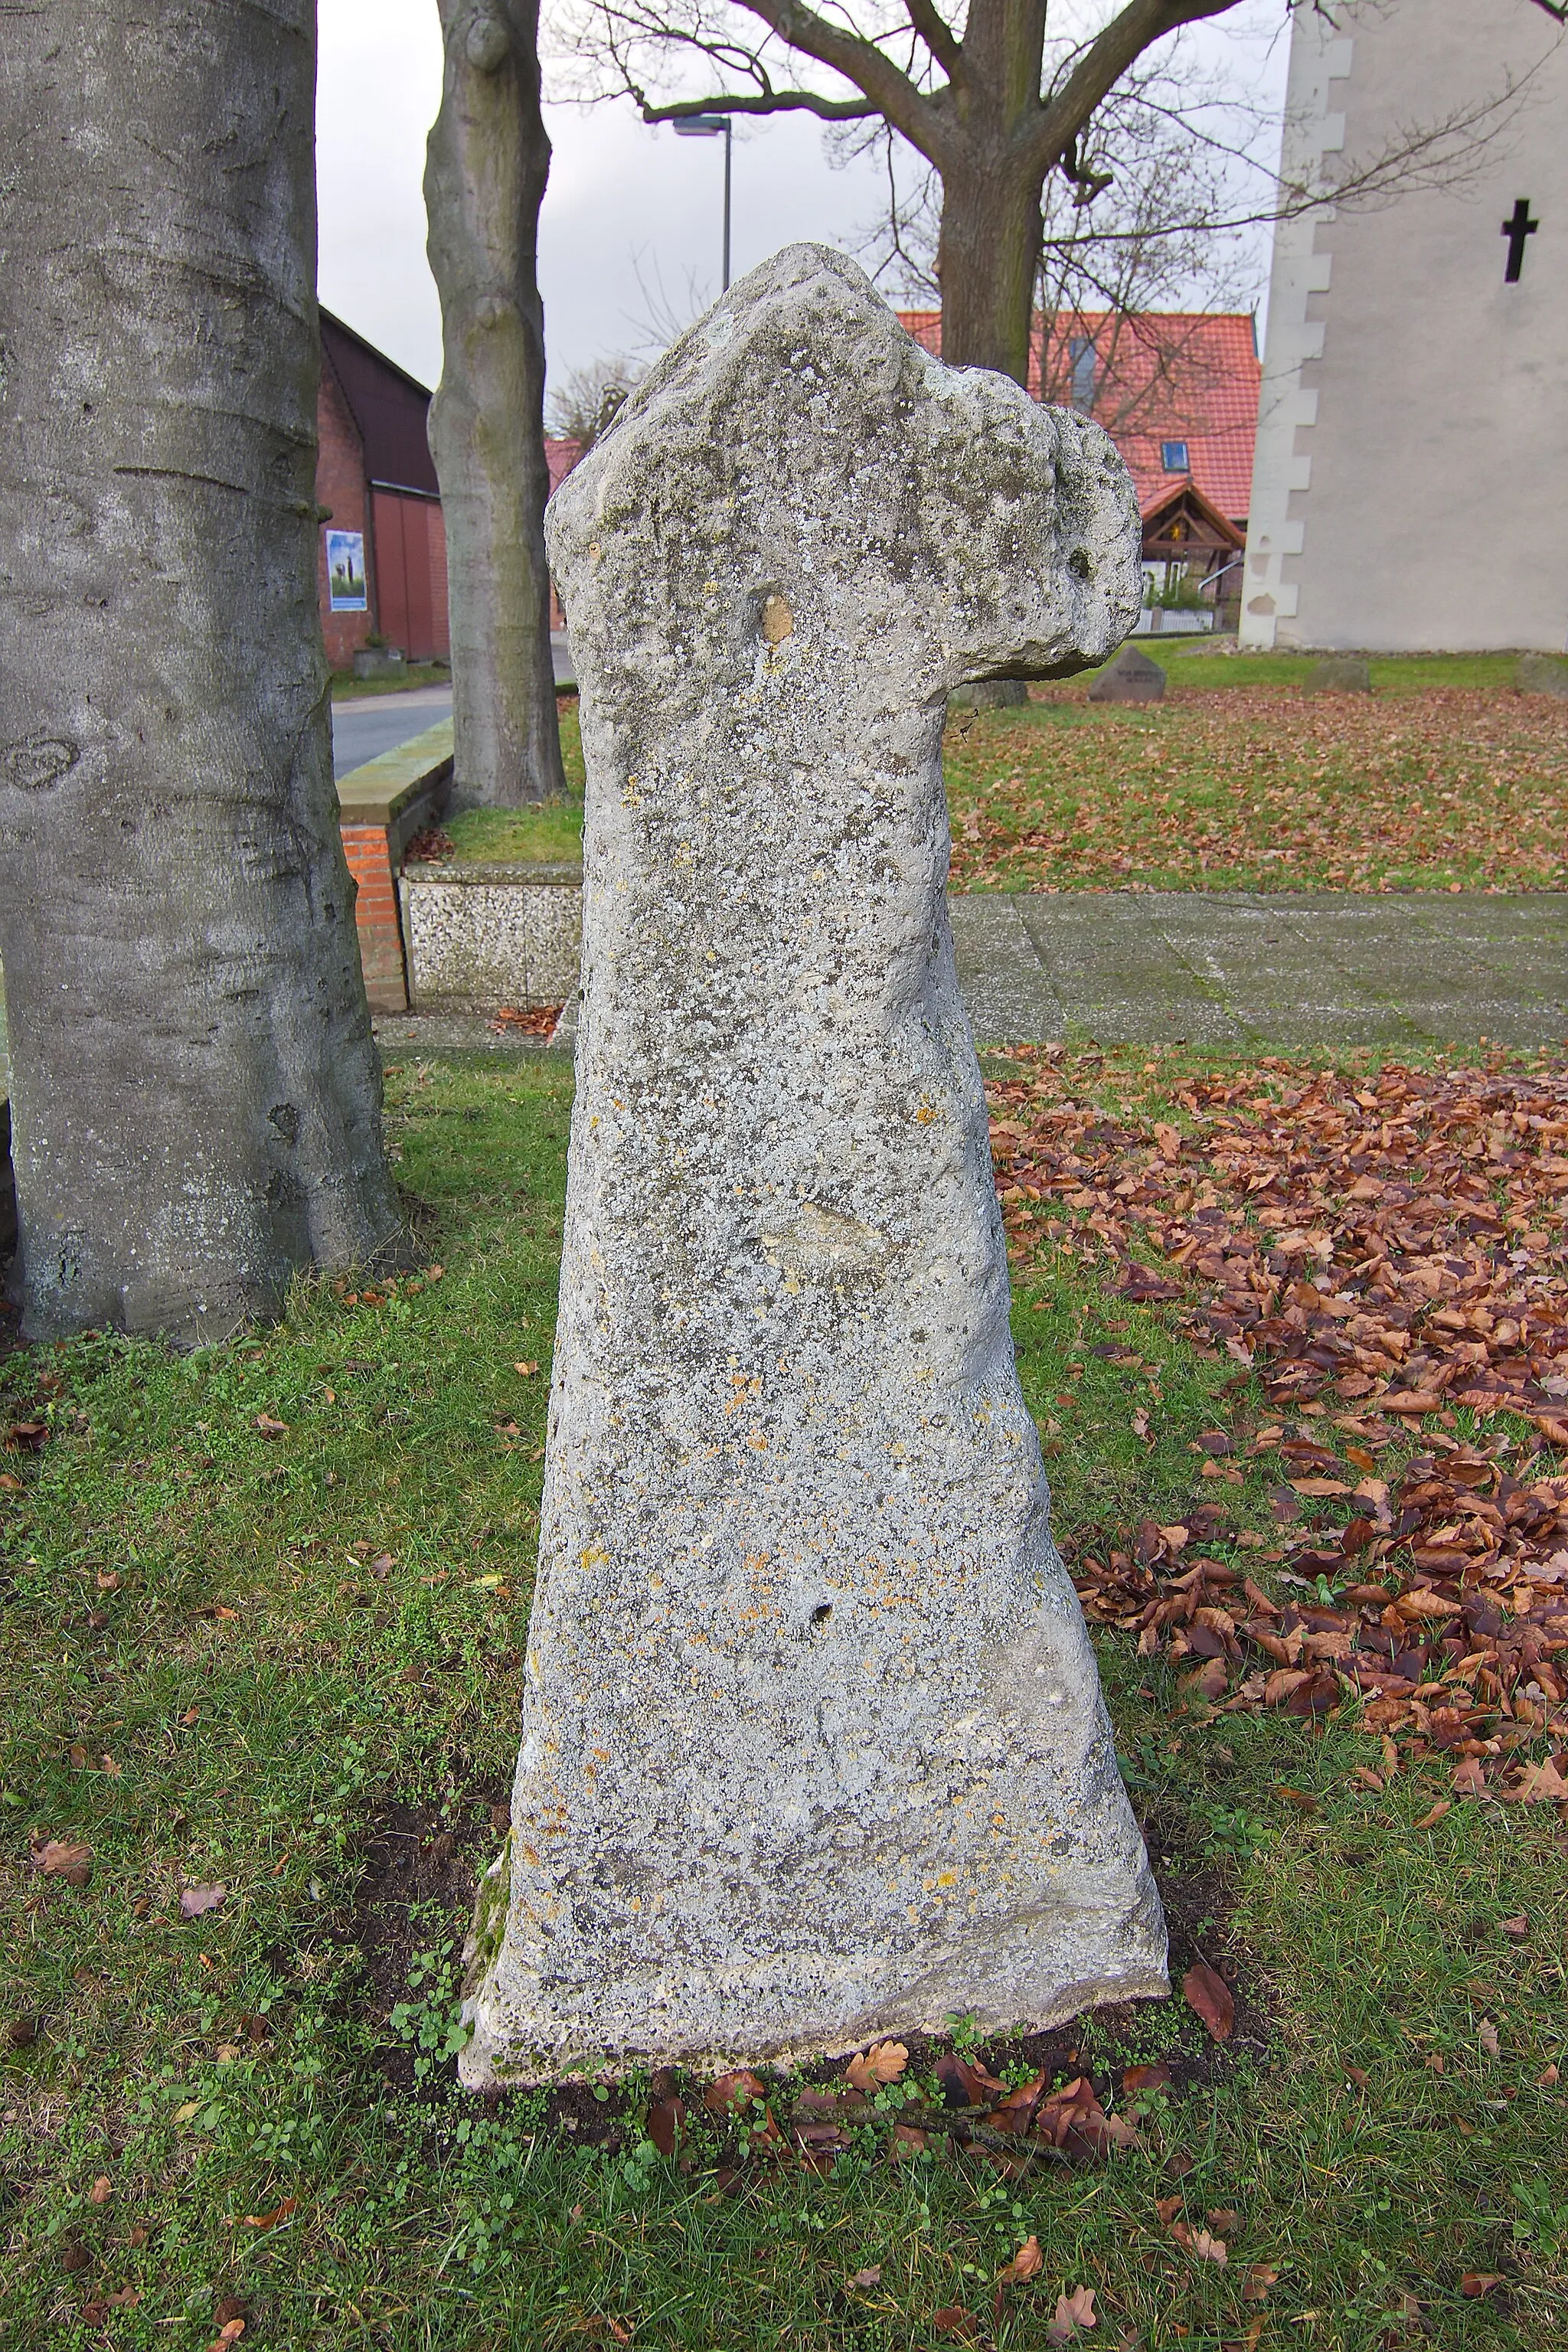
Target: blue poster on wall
345, 571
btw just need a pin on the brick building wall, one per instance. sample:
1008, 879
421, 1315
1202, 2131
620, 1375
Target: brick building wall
341, 485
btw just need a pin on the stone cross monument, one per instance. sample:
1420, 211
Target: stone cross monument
812, 1744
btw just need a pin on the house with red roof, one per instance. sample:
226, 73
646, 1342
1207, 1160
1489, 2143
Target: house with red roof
1177, 392
382, 552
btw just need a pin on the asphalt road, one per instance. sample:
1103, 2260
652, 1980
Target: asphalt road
375, 723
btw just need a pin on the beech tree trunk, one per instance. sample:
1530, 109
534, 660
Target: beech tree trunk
195, 1091
487, 162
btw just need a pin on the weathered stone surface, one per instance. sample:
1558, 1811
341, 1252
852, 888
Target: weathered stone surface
1539, 674
1338, 674
813, 1745
1131, 677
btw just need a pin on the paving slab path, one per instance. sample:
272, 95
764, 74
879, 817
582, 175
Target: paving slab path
1239, 969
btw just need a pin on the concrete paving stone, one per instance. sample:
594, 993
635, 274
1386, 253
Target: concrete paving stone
1117, 976
1005, 988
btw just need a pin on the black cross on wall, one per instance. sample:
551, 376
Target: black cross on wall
1516, 229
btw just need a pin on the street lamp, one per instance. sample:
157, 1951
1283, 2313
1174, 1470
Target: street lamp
710, 126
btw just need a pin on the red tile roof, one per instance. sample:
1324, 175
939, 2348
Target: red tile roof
1161, 375
560, 457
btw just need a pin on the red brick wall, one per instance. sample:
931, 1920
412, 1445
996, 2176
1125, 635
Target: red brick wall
368, 852
341, 485
411, 573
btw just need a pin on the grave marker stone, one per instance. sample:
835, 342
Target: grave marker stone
812, 1744
1131, 677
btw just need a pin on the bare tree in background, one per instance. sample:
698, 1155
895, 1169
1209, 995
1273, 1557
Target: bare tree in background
196, 1095
587, 399
995, 108
485, 175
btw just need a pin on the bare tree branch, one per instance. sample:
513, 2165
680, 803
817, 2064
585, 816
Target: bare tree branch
938, 36
1103, 64
919, 117
770, 101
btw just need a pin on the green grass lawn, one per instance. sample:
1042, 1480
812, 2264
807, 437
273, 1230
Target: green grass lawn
1442, 779
284, 1661
550, 834
347, 688
1201, 665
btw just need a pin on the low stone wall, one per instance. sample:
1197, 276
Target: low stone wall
381, 806
482, 936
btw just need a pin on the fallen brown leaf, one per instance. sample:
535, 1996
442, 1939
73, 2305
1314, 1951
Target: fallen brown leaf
1429, 1819
1074, 2313
1208, 1996
883, 2063
195, 1900
1027, 2263
102, 2189
270, 1427
665, 2125
1487, 2035
1475, 2284
63, 1858
1516, 1929
870, 2277
1260, 2277
730, 2094
270, 2220
1199, 2243
953, 2320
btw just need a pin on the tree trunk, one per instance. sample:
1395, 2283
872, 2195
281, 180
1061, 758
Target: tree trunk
484, 179
195, 1087
987, 261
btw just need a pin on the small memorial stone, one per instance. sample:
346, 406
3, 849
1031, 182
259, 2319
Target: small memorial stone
1539, 674
1131, 677
1339, 674
812, 1744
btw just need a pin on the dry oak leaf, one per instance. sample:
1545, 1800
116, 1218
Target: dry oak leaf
1486, 2034
1207, 1993
270, 1428
1259, 2279
229, 2333
1543, 1785
1074, 2311
870, 2277
1517, 1928
1475, 2284
527, 1370
195, 1900
1199, 2243
883, 2063
1167, 2207
953, 2320
905, 2142
666, 2123
102, 2189
61, 1858
1027, 2263
1429, 1821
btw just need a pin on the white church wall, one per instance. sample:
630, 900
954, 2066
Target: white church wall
1410, 485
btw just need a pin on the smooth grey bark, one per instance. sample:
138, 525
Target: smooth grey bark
195, 1087
484, 179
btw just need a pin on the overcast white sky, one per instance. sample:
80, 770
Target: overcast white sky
628, 207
